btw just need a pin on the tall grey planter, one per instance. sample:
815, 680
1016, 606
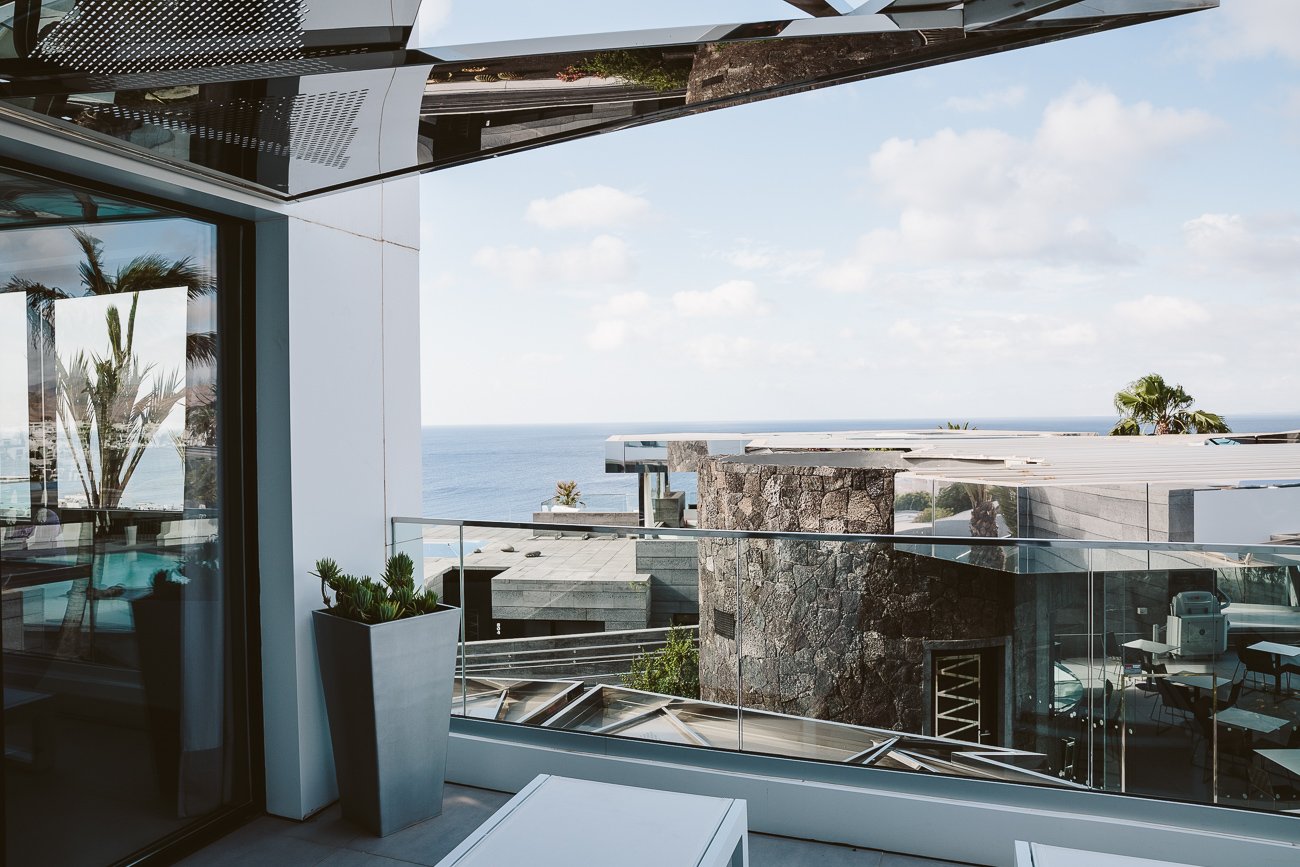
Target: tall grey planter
388, 697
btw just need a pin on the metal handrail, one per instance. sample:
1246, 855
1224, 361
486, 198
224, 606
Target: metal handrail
879, 538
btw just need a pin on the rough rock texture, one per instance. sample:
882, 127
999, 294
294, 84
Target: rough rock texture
832, 630
730, 69
684, 456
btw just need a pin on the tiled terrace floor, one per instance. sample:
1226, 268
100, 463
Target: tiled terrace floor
330, 841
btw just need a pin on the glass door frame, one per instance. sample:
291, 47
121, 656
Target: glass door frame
237, 481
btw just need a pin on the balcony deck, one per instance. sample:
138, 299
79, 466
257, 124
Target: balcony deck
330, 841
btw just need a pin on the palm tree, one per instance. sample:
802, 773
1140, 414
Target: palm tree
1167, 408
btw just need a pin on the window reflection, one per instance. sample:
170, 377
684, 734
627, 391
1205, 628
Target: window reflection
116, 627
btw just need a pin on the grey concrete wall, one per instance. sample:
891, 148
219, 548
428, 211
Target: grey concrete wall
674, 569
599, 519
1131, 513
613, 604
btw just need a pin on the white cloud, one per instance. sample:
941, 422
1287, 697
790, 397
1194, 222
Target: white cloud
1008, 97
1248, 29
598, 207
779, 262
988, 194
720, 351
625, 304
750, 259
977, 338
1264, 245
607, 335
605, 259
1161, 313
733, 298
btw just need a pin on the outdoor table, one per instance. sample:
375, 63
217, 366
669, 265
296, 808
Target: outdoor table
554, 820
1150, 648
1038, 855
1249, 720
1198, 682
26, 706
1287, 760
1277, 651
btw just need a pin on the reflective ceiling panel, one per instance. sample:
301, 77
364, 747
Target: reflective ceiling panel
295, 100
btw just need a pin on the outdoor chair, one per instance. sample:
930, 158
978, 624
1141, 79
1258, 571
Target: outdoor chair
1207, 702
1234, 744
1148, 686
1289, 668
1257, 663
1263, 788
1173, 704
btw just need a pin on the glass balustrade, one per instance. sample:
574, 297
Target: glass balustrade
1145, 668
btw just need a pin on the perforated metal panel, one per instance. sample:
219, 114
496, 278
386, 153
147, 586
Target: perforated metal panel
119, 36
724, 623
211, 74
318, 128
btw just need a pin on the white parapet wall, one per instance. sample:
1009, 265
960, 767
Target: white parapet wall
967, 821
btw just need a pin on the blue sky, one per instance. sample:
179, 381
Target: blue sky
1017, 235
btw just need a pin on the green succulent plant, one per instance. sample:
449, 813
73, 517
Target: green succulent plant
365, 600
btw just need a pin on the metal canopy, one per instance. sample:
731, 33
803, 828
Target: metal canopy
291, 100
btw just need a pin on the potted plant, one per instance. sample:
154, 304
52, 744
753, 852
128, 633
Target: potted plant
387, 654
567, 497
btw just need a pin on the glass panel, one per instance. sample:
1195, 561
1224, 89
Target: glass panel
15, 496
120, 713
1116, 666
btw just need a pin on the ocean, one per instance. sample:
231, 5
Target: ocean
504, 472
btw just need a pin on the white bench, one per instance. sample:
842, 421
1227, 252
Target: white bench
1038, 855
557, 820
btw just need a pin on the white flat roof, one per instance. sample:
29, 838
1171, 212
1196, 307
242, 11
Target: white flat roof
1046, 458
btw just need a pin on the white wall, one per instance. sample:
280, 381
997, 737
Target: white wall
338, 414
1246, 515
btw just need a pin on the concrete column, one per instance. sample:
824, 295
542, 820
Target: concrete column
338, 442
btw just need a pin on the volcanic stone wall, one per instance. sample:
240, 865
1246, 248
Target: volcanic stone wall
832, 630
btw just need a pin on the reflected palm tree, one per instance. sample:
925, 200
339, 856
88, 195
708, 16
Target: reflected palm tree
110, 407
150, 271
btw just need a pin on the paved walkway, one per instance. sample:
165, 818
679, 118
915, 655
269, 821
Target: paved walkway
329, 841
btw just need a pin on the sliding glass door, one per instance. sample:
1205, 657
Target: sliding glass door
124, 718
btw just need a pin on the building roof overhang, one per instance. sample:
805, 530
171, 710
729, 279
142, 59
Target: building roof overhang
292, 102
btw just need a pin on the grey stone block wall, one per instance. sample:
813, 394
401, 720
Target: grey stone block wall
617, 604
674, 569
826, 629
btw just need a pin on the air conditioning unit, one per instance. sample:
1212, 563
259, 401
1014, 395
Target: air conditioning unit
1196, 625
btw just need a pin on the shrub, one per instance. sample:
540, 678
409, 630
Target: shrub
672, 670
911, 501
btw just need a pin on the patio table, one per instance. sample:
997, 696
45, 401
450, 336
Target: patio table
1251, 721
1287, 760
554, 819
